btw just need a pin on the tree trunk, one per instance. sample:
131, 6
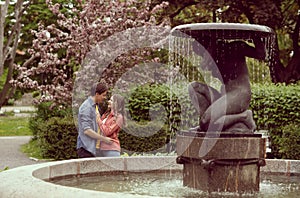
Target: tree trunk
3, 13
292, 70
10, 49
290, 73
7, 86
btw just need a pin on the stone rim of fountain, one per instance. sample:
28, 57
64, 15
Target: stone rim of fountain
31, 181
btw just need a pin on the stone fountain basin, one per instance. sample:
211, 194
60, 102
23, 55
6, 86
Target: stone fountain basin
32, 181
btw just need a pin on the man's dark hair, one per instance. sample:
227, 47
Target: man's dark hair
98, 88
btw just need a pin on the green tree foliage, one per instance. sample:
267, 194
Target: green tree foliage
21, 19
282, 16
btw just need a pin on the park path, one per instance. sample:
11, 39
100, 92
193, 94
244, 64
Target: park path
17, 108
10, 153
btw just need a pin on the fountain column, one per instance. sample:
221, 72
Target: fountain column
232, 164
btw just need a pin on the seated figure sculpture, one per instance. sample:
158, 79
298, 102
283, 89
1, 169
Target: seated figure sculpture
225, 110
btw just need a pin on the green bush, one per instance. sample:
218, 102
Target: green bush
159, 102
150, 98
274, 106
144, 138
57, 138
152, 103
285, 141
44, 112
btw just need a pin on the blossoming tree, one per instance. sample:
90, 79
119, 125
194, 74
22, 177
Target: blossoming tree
59, 49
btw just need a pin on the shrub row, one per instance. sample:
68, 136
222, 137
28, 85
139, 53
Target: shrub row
44, 112
57, 138
276, 108
55, 131
149, 138
286, 141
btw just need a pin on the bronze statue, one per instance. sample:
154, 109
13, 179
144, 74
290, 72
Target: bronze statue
229, 56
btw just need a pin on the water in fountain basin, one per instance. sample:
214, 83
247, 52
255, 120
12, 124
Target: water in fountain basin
170, 185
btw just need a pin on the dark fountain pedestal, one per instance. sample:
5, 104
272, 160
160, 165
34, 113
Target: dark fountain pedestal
221, 162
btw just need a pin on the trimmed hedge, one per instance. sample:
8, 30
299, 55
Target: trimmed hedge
55, 131
154, 120
288, 142
151, 138
154, 101
275, 106
44, 112
57, 138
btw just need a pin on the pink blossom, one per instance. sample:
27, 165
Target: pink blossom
61, 48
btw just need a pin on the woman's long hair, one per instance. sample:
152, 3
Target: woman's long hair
118, 106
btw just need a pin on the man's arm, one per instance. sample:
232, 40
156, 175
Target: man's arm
94, 135
86, 122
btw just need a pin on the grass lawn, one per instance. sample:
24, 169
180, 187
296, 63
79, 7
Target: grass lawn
32, 149
11, 125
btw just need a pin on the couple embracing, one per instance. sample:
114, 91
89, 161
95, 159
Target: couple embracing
98, 134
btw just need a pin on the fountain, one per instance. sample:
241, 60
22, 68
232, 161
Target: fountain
222, 153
